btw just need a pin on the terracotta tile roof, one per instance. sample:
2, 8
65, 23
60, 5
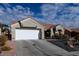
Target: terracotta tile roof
72, 29
75, 29
68, 29
13, 22
48, 26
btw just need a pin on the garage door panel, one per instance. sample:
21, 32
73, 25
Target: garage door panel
26, 34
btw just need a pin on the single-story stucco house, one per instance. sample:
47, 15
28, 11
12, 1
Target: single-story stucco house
31, 24
41, 30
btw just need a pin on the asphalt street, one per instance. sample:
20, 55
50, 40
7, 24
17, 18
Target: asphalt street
40, 48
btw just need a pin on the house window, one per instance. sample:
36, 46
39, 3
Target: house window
47, 34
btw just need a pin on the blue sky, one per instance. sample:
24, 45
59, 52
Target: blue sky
62, 13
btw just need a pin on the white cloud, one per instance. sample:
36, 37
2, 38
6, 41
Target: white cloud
1, 12
68, 14
48, 10
17, 12
74, 9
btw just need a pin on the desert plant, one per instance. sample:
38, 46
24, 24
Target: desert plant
5, 48
3, 40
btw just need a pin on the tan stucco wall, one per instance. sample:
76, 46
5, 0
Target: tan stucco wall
52, 32
59, 27
16, 25
27, 23
0, 31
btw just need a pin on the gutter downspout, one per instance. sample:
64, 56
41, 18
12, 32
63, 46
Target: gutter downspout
20, 24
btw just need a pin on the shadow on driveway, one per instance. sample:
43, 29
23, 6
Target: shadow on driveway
64, 46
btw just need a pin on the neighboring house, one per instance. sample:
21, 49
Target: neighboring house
74, 32
75, 29
59, 29
71, 31
30, 23
3, 28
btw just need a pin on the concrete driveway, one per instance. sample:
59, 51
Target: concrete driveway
40, 48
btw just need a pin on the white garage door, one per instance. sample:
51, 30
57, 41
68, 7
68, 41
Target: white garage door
26, 34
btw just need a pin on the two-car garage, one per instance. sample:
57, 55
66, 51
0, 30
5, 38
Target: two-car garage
27, 29
27, 34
